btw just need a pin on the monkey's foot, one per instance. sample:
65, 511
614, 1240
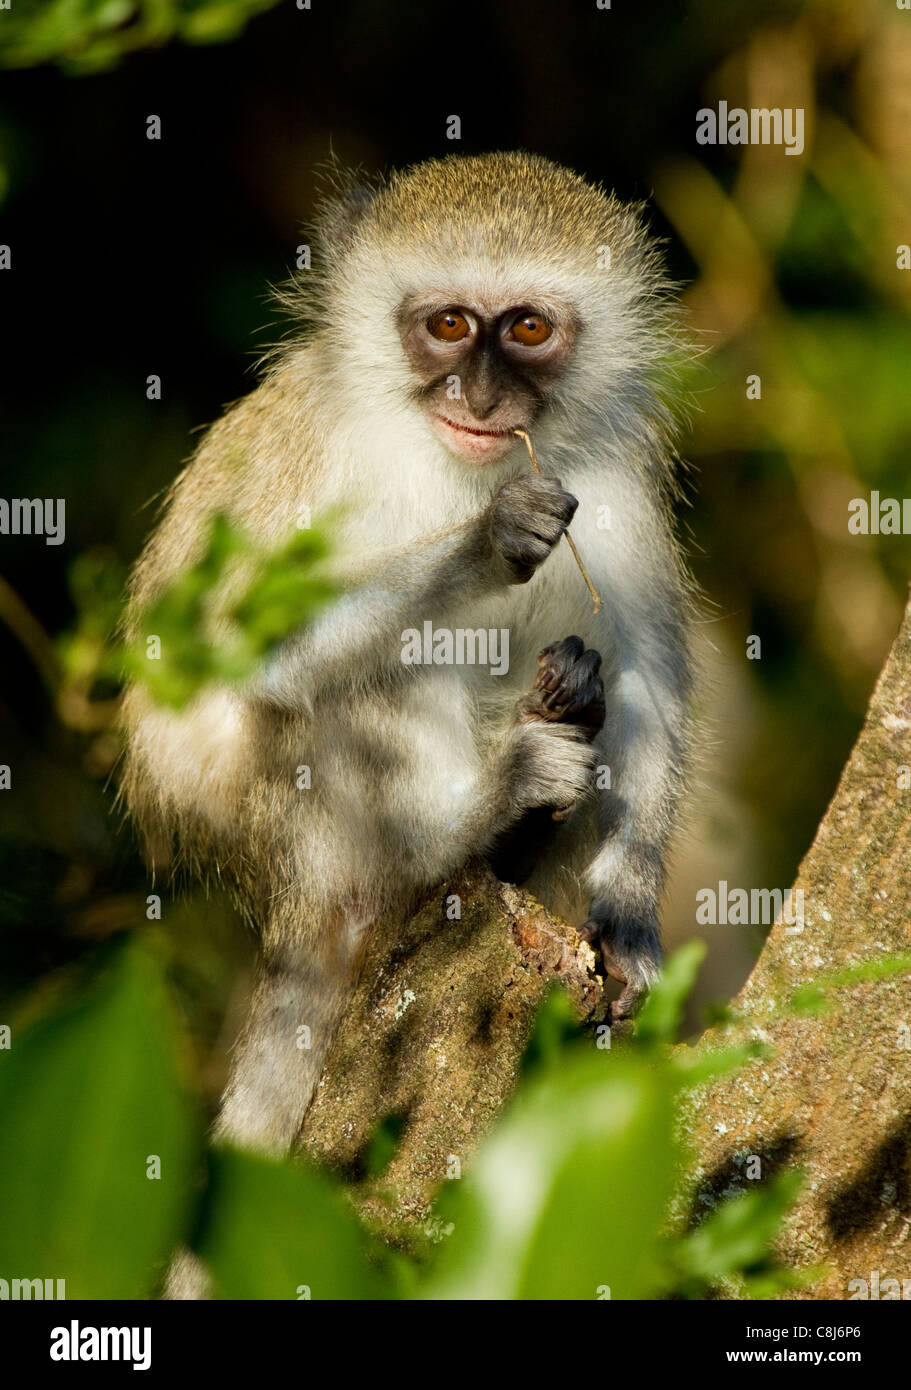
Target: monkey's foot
568, 688
630, 954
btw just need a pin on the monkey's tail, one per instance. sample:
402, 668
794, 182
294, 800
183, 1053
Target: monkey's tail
279, 1058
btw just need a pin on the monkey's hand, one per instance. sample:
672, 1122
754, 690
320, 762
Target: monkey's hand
568, 688
630, 948
527, 518
552, 763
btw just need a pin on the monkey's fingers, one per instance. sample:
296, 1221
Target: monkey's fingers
569, 686
556, 660
570, 648
635, 986
624, 1008
596, 598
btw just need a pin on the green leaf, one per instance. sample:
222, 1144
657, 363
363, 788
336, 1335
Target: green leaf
215, 23
383, 1144
89, 1096
769, 1283
282, 594
279, 1230
693, 1066
663, 1010
565, 1197
556, 1028
87, 35
738, 1233
813, 998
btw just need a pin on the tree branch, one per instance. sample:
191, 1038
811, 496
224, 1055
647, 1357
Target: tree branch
434, 1036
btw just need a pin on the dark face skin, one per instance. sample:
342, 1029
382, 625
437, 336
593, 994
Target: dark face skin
506, 358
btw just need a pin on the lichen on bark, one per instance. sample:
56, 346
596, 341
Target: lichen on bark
835, 1095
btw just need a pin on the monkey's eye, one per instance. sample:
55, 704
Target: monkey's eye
449, 326
531, 330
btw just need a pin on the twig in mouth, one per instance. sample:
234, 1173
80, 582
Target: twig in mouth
572, 545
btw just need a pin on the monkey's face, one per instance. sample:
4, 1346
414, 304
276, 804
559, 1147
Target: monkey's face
484, 370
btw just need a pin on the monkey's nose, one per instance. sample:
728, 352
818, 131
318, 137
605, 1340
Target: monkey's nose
483, 390
483, 406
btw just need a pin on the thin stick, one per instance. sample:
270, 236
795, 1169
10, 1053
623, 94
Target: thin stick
572, 545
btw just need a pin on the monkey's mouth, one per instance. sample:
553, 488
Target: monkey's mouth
472, 442
466, 429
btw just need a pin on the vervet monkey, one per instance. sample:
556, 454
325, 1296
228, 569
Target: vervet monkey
448, 306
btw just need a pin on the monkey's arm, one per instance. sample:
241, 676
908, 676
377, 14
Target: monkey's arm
360, 636
644, 744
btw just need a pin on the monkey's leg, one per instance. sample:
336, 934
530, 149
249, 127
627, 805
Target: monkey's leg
567, 690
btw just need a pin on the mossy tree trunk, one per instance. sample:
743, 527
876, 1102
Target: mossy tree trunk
835, 1097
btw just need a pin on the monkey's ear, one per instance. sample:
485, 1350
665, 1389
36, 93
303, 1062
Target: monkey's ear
346, 198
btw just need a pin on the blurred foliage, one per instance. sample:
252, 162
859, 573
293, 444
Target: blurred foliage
182, 646
90, 1101
567, 1198
815, 998
278, 1230
797, 282
90, 35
